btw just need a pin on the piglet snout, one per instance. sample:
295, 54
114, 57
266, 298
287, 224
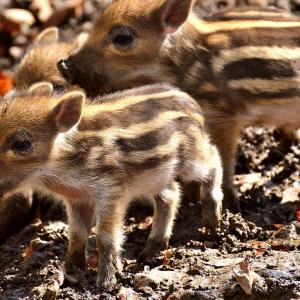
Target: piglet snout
67, 70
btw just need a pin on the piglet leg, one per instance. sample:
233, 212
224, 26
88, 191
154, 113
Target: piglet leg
166, 205
109, 240
80, 223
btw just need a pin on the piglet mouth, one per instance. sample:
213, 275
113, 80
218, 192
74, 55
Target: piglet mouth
5, 188
67, 70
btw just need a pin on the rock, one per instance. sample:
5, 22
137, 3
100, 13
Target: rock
291, 194
288, 231
224, 262
18, 16
246, 181
155, 277
16, 52
47, 291
127, 293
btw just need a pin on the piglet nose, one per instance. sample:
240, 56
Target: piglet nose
67, 70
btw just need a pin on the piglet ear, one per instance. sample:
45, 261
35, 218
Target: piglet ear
68, 112
42, 87
48, 36
173, 13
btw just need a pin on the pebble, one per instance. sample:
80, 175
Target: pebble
16, 52
19, 16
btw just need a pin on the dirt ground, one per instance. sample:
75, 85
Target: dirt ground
261, 244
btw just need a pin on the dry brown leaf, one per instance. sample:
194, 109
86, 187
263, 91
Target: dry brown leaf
38, 224
167, 255
6, 83
27, 253
245, 277
277, 226
244, 265
278, 246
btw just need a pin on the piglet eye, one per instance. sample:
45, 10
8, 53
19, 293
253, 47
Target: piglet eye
123, 40
21, 146
122, 37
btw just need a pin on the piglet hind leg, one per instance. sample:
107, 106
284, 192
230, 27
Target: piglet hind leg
80, 223
109, 240
211, 203
166, 205
206, 169
227, 144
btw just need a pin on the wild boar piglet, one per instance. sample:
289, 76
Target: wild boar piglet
39, 62
242, 66
101, 155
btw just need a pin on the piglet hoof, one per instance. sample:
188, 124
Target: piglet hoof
211, 218
76, 260
108, 273
73, 274
153, 247
107, 282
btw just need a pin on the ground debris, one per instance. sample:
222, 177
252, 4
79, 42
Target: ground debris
246, 277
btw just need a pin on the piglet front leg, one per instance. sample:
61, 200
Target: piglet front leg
80, 222
109, 240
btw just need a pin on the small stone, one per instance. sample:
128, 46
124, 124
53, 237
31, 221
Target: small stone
47, 291
19, 16
16, 52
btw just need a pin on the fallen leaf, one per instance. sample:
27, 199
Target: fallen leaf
297, 214
261, 250
245, 277
6, 83
167, 255
224, 262
279, 247
38, 224
277, 226
34, 245
27, 253
244, 265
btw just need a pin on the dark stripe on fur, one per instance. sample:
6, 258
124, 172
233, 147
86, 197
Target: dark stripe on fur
258, 68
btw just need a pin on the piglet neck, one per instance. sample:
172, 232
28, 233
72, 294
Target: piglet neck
179, 52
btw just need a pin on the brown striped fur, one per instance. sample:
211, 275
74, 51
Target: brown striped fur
101, 155
242, 66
